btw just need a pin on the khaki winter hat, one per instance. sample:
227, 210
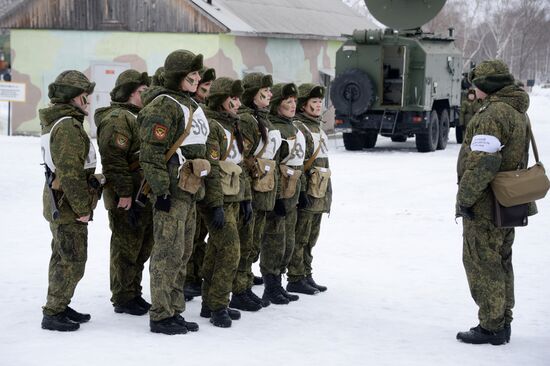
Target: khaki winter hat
222, 88
69, 84
158, 78
281, 92
252, 83
491, 76
177, 65
126, 83
307, 91
207, 74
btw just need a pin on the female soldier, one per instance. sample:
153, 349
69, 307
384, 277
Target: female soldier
227, 192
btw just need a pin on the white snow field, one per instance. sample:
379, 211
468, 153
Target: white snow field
390, 253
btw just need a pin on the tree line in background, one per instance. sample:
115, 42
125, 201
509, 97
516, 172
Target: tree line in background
516, 31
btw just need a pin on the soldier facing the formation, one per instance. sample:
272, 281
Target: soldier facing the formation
468, 108
70, 194
131, 224
496, 140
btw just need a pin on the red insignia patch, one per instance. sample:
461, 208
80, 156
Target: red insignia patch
159, 132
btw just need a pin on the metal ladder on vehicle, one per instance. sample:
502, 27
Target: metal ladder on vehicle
388, 130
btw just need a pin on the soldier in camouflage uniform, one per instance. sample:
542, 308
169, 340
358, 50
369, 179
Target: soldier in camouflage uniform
279, 236
131, 225
496, 140
69, 154
227, 194
470, 105
314, 202
193, 280
165, 117
261, 141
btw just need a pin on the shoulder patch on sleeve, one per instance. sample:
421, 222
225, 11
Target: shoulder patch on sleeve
214, 154
121, 140
159, 131
485, 143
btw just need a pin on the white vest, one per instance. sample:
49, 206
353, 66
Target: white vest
234, 155
296, 154
319, 138
199, 129
274, 141
45, 141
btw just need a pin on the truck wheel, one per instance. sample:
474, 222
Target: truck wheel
399, 138
459, 134
444, 127
351, 92
352, 141
369, 140
427, 142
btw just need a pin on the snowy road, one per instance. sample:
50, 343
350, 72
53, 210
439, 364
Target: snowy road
390, 253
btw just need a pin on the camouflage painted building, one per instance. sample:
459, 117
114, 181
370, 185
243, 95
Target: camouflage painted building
295, 40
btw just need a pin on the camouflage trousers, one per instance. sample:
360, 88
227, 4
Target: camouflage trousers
258, 223
199, 248
278, 242
67, 264
173, 233
246, 241
221, 258
487, 258
307, 233
130, 249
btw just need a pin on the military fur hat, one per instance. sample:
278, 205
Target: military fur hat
177, 65
221, 89
126, 83
69, 84
491, 76
307, 91
158, 78
207, 74
252, 83
281, 92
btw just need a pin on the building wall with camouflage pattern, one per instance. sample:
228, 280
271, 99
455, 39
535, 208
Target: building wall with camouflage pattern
38, 56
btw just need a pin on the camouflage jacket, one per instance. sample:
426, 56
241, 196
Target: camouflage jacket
250, 128
468, 109
217, 147
503, 117
161, 122
289, 132
118, 140
69, 148
308, 126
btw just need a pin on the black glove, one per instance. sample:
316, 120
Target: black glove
218, 217
466, 212
163, 203
304, 201
280, 209
246, 210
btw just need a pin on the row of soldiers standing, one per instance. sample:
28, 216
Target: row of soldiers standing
244, 162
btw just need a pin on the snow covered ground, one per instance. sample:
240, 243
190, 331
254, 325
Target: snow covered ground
390, 253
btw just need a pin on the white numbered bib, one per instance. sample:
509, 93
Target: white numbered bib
45, 147
296, 148
319, 138
274, 141
199, 129
234, 155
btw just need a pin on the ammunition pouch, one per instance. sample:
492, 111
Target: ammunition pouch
230, 177
318, 182
192, 173
289, 180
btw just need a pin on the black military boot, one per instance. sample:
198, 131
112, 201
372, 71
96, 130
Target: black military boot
207, 313
77, 317
312, 283
191, 326
192, 290
301, 287
290, 297
272, 292
508, 332
59, 322
243, 302
130, 307
479, 335
143, 303
167, 326
221, 318
258, 281
252, 296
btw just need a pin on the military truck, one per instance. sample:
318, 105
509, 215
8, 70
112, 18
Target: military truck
398, 82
